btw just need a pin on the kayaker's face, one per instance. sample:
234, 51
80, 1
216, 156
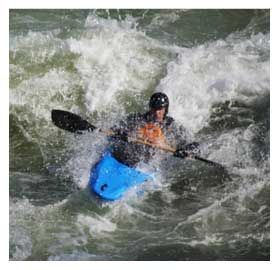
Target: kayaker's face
159, 114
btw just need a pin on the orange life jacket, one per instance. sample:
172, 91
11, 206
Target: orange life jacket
151, 133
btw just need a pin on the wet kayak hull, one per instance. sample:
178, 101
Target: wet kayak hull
110, 179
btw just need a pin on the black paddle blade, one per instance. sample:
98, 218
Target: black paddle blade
222, 169
70, 122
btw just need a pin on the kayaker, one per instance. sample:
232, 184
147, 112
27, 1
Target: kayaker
154, 126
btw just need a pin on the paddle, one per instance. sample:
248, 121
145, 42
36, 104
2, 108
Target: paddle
70, 122
74, 123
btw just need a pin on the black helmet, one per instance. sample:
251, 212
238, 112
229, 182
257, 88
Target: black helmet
159, 100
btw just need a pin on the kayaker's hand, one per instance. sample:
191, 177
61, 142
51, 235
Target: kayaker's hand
120, 135
193, 149
189, 150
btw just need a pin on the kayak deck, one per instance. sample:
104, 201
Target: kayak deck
110, 179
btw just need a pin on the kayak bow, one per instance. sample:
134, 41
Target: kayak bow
110, 179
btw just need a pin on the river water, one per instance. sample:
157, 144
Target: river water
103, 64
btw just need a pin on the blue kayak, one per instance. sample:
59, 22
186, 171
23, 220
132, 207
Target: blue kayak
110, 179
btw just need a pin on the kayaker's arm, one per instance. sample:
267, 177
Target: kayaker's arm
119, 134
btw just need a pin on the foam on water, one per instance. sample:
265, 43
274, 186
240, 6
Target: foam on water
44, 91
22, 217
85, 153
96, 225
116, 59
215, 72
49, 229
222, 214
39, 47
114, 67
164, 18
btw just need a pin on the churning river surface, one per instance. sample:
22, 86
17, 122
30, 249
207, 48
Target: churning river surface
103, 64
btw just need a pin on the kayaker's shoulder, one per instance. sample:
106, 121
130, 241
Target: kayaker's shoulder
169, 121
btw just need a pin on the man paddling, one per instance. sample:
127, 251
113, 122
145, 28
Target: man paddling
154, 127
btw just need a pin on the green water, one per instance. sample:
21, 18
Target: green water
103, 64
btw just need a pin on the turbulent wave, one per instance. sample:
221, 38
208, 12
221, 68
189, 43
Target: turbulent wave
103, 64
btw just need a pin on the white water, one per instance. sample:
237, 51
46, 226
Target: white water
116, 59
117, 67
212, 73
195, 80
